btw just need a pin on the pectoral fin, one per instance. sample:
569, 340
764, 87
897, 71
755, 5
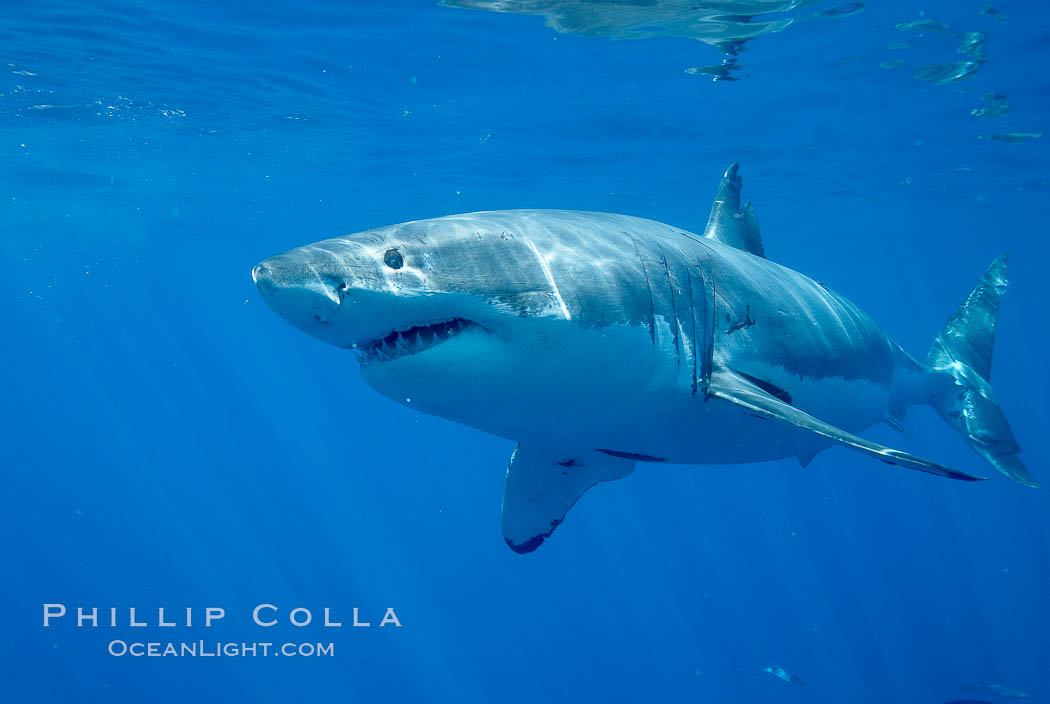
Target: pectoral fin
542, 485
731, 387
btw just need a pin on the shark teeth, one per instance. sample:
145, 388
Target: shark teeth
413, 340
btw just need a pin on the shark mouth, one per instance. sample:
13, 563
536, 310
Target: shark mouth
413, 340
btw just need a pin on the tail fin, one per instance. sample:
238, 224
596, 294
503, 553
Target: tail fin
963, 350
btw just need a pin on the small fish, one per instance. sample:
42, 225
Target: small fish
718, 72
1009, 138
922, 26
942, 74
972, 45
892, 63
991, 110
784, 675
993, 97
899, 45
850, 8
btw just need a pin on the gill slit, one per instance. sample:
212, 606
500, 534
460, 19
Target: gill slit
674, 307
649, 288
692, 309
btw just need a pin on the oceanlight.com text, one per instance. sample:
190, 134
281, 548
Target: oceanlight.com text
212, 649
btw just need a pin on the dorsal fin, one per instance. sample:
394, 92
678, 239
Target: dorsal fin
731, 224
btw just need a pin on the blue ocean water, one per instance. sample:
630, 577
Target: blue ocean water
168, 442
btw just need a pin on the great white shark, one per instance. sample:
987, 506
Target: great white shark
597, 341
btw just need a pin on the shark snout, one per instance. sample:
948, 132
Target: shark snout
273, 274
298, 291
261, 274
330, 295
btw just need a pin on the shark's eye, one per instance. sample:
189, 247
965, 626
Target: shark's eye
393, 259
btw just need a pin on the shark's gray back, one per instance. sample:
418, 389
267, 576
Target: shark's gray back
700, 298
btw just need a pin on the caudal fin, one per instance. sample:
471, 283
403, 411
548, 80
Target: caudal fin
963, 351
